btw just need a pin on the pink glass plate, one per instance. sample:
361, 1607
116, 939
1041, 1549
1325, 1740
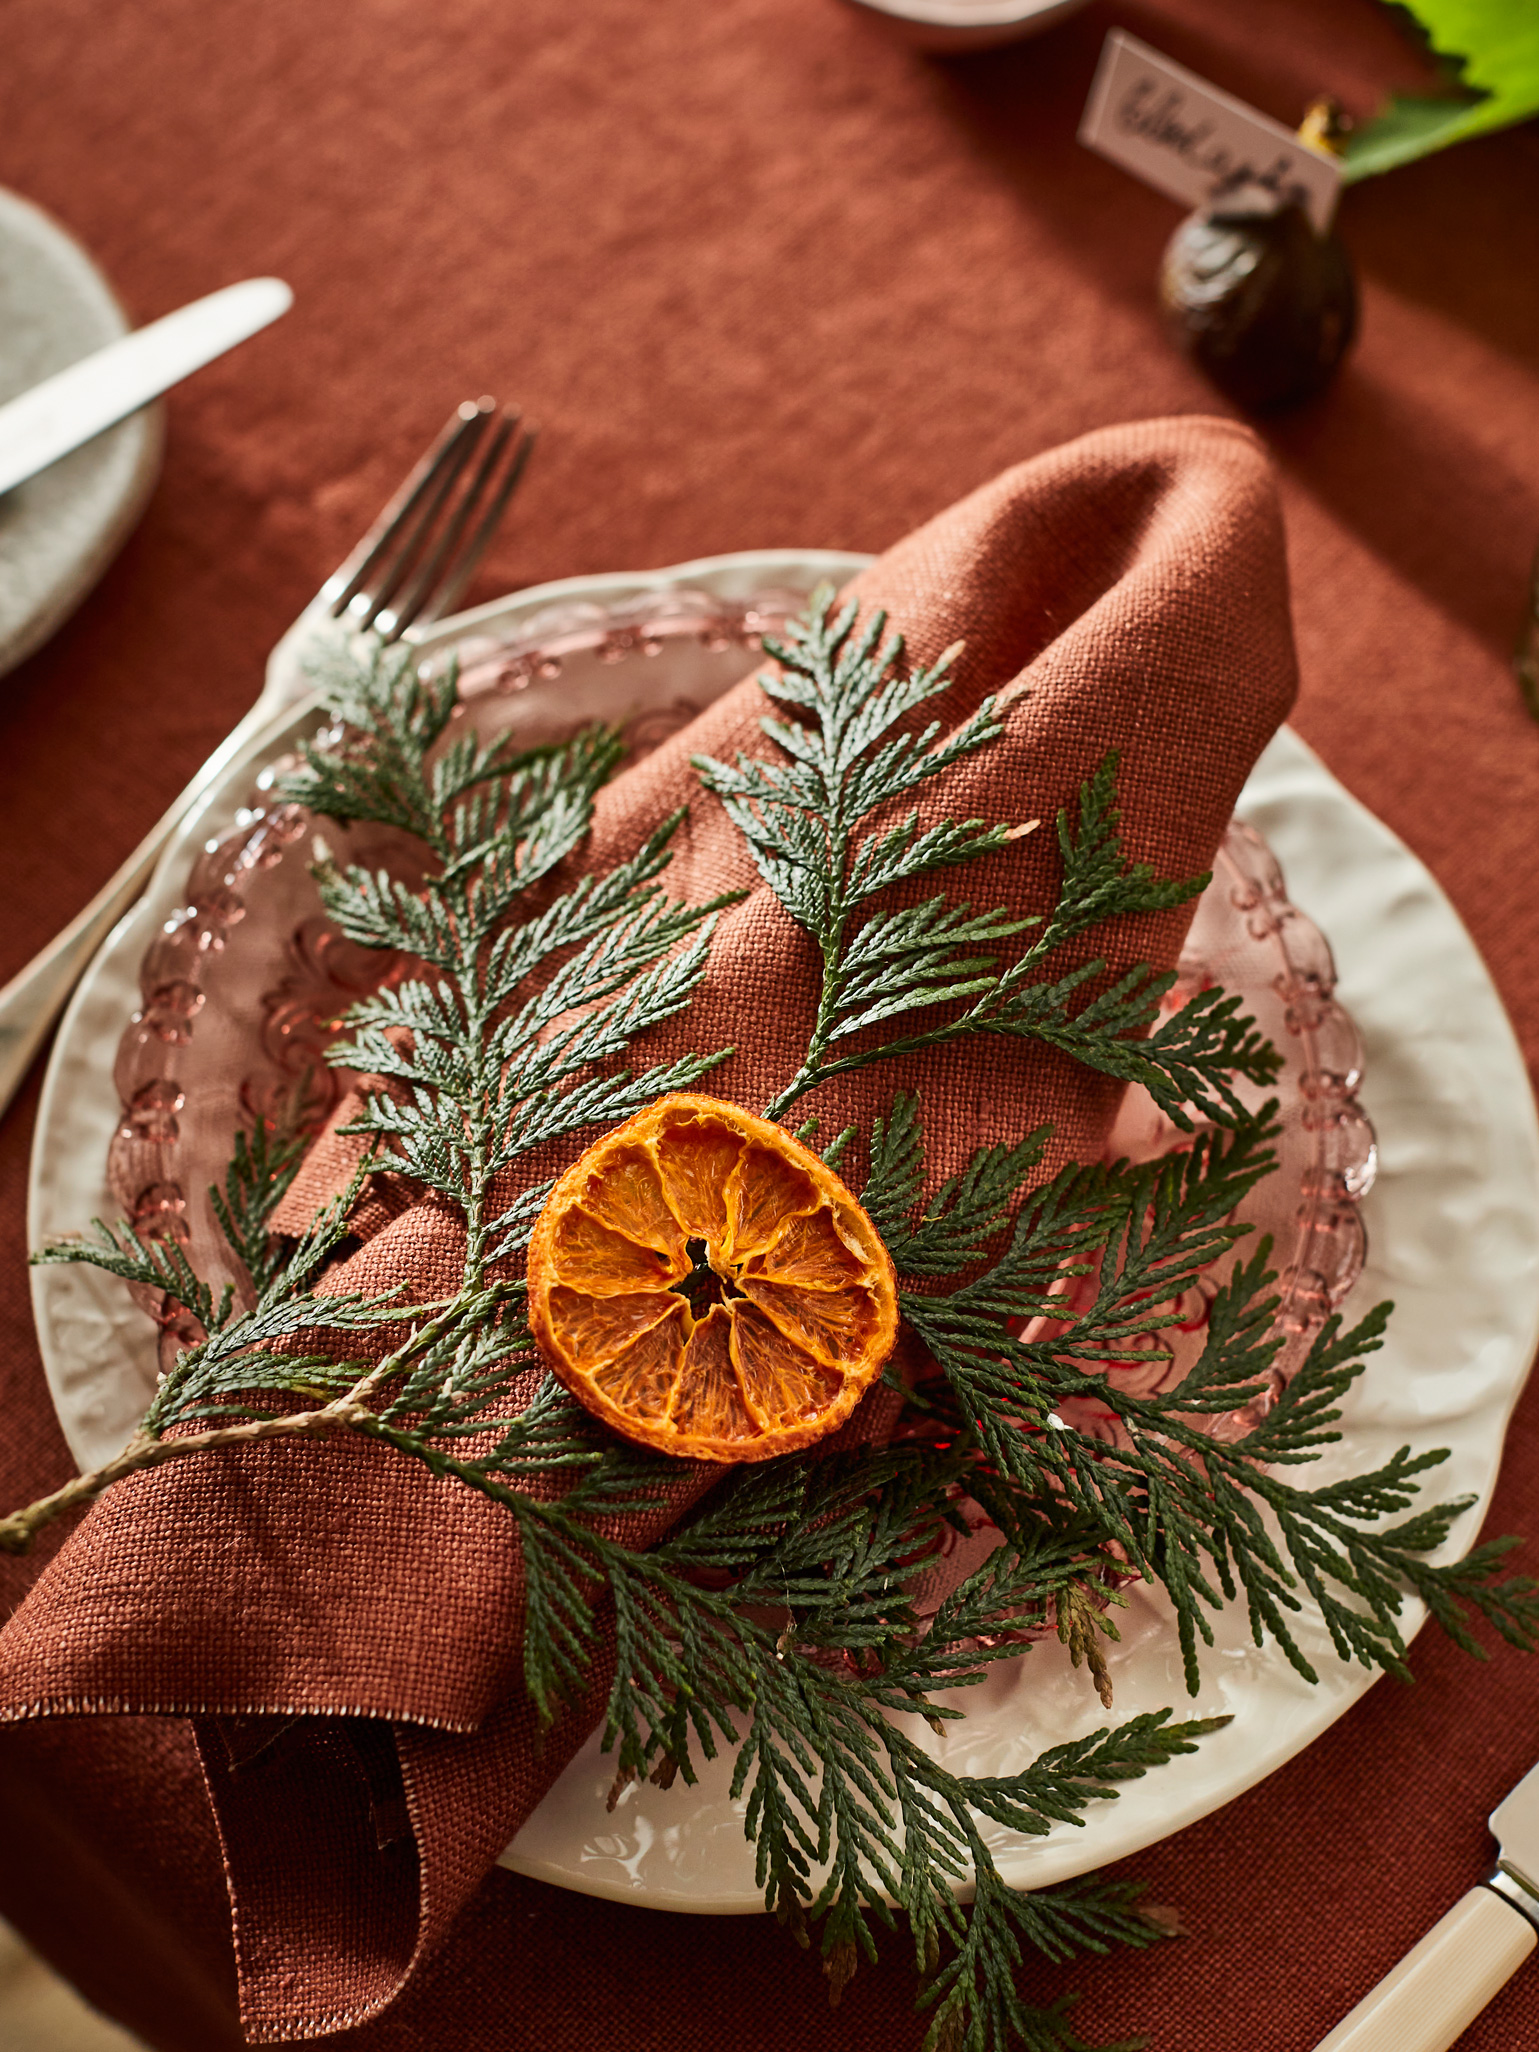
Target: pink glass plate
242, 990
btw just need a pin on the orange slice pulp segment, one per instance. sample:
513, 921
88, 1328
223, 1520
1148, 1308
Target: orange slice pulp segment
705, 1285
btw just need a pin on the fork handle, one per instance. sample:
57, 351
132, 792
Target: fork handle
1443, 1983
37, 994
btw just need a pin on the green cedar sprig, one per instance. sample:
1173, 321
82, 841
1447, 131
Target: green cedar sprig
809, 822
1186, 1507
775, 1617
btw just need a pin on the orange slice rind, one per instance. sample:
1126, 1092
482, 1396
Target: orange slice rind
705, 1285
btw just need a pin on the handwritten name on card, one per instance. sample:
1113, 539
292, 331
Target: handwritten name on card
1197, 144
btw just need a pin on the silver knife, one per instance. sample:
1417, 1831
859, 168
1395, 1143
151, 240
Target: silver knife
1443, 1983
102, 389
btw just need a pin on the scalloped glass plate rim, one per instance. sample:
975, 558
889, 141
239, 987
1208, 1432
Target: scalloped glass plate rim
1451, 1224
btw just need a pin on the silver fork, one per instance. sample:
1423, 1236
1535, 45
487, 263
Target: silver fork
410, 569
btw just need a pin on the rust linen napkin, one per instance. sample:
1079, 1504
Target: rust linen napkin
342, 1627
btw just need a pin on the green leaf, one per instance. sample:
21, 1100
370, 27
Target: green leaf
1492, 46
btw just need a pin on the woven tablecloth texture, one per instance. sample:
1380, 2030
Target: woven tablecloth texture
767, 280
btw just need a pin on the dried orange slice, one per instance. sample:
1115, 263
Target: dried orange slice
705, 1285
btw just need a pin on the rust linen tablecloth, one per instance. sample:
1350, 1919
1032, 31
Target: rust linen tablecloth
767, 280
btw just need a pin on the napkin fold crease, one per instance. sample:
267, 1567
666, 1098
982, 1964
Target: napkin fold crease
342, 1627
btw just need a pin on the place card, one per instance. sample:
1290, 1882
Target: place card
1197, 144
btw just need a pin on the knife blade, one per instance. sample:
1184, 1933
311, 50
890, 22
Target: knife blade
74, 405
1443, 1983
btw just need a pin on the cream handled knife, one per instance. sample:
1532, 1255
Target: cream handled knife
1443, 1983
104, 388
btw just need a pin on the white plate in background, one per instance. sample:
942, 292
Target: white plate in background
60, 530
952, 27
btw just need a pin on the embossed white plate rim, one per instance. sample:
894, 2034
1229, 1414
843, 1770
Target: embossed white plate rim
1451, 1224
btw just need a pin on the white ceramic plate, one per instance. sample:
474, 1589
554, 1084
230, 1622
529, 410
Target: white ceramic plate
99, 1351
60, 530
956, 26
1452, 1238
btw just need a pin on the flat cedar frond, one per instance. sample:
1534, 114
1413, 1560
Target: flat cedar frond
150, 1264
778, 1616
1185, 1507
803, 821
954, 1228
263, 1164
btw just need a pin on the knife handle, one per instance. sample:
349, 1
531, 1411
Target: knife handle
1443, 1983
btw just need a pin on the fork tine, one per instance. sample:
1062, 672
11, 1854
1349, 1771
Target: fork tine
394, 619
445, 456
447, 597
370, 605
